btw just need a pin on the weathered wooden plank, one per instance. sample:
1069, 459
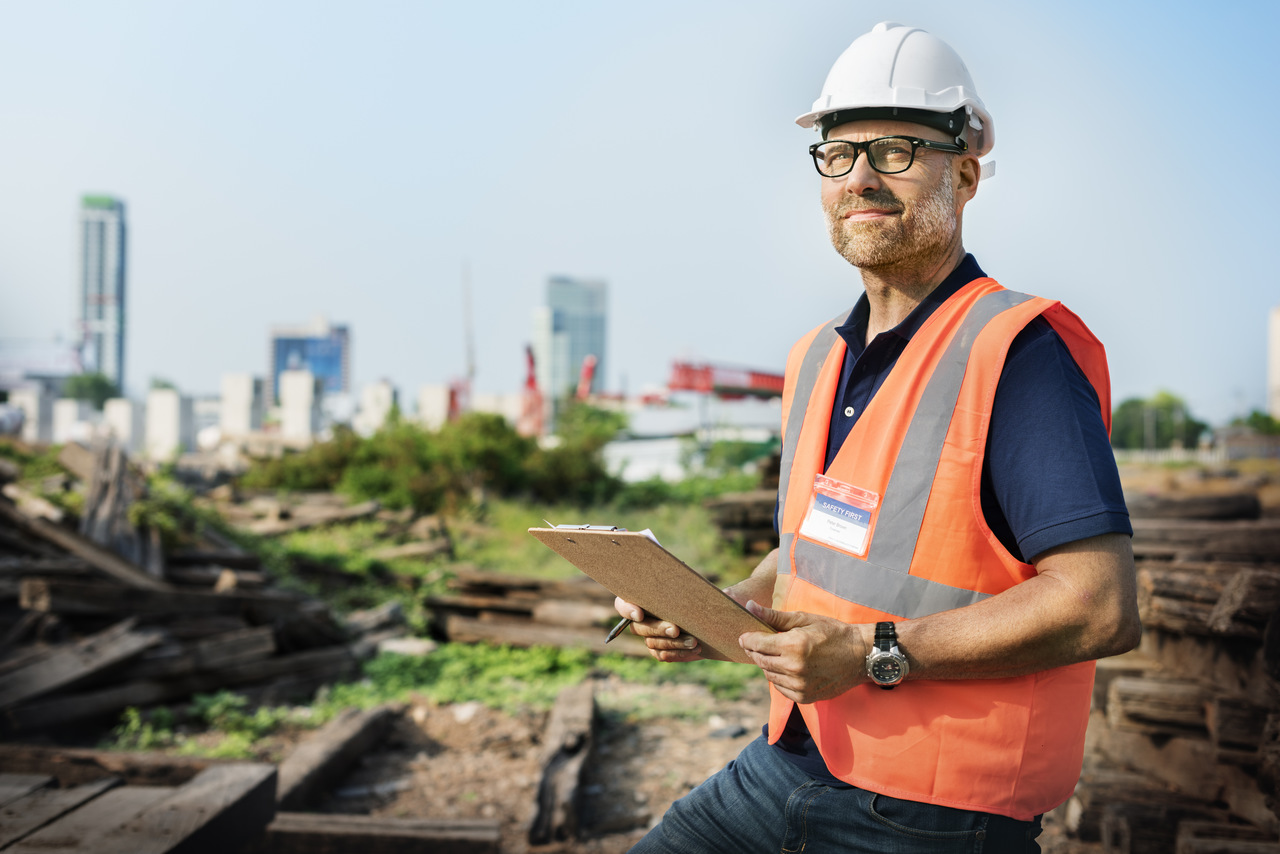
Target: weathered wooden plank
222, 809
526, 633
14, 786
82, 547
329, 665
566, 745
79, 831
63, 596
310, 833
1234, 722
69, 664
73, 766
26, 815
1205, 837
318, 519
1156, 706
1250, 596
218, 652
327, 754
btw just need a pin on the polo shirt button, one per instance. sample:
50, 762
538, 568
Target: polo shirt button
848, 412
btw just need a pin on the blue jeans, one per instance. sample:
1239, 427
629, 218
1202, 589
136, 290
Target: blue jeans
760, 802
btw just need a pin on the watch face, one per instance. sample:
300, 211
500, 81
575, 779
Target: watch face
886, 670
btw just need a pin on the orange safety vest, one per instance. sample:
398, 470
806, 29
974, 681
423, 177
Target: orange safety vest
1010, 746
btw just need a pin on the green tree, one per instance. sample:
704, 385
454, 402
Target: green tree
588, 427
1160, 421
95, 388
1259, 422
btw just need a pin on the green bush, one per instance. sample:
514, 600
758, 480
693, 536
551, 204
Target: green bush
469, 460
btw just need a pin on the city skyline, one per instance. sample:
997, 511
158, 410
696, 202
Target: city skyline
338, 167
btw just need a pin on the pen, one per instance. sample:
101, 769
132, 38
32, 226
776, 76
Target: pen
617, 630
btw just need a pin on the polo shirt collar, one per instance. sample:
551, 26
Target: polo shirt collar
854, 330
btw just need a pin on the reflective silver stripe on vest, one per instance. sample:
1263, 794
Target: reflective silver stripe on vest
806, 381
905, 596
882, 581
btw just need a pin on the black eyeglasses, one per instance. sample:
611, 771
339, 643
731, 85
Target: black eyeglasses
887, 155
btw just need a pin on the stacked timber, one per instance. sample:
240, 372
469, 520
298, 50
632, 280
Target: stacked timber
1183, 751
519, 611
96, 616
747, 517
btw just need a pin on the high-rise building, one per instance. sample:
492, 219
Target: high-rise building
568, 329
1273, 364
321, 348
100, 295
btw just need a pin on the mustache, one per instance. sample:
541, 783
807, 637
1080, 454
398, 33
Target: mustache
879, 200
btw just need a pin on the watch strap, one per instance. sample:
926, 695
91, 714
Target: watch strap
886, 636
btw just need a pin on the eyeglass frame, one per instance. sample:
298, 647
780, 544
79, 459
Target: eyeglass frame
860, 147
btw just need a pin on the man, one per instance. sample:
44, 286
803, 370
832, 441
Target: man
954, 543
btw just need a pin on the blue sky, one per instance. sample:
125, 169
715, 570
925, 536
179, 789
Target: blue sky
286, 159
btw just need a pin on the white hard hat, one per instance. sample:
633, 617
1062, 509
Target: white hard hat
905, 73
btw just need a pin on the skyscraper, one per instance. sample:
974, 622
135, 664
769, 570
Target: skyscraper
100, 303
321, 348
570, 327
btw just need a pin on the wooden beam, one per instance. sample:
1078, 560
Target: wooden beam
567, 743
71, 766
1157, 706
526, 633
14, 786
325, 665
64, 596
309, 833
82, 547
29, 814
79, 832
73, 662
324, 756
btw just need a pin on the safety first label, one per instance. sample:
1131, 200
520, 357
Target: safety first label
839, 515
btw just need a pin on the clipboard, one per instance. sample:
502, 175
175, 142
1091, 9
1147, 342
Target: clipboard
631, 565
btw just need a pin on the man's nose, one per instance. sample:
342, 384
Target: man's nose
862, 179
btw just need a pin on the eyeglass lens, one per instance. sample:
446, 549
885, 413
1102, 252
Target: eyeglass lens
888, 154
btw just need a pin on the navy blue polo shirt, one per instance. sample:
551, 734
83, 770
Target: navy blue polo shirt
1049, 475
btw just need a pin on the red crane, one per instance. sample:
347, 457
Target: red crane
724, 382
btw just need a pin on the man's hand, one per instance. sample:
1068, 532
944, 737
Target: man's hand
665, 640
811, 657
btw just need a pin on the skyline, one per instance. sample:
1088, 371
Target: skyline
297, 160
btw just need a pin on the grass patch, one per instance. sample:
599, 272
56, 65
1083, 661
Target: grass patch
509, 679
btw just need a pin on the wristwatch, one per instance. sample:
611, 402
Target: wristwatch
886, 665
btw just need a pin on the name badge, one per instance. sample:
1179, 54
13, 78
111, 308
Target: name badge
839, 515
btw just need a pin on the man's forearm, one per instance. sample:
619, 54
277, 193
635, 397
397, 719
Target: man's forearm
1081, 606
759, 585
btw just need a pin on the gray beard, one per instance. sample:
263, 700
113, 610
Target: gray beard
929, 230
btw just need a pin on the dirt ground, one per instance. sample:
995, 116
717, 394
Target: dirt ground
469, 761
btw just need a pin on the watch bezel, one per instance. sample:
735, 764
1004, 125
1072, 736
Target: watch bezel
886, 634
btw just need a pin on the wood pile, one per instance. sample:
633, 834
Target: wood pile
518, 611
98, 617
747, 517
1183, 751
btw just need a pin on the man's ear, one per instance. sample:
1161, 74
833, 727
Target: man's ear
968, 172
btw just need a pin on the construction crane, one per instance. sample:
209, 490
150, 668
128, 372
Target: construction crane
531, 407
724, 382
585, 377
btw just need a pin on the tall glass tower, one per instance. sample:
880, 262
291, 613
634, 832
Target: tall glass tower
570, 327
100, 296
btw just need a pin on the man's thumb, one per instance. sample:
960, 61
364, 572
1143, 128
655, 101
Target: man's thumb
780, 620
